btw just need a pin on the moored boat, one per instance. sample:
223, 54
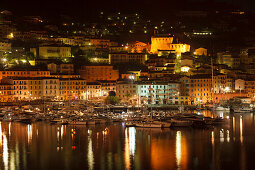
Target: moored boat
149, 125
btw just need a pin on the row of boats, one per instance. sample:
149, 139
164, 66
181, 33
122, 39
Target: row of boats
239, 109
179, 120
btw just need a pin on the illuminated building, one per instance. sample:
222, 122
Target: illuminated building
56, 52
165, 42
160, 65
250, 88
94, 73
126, 91
99, 43
228, 59
74, 41
218, 98
25, 88
94, 90
72, 89
64, 68
8, 73
6, 92
200, 51
124, 57
66, 76
50, 87
160, 92
139, 47
223, 84
107, 86
5, 47
239, 85
201, 89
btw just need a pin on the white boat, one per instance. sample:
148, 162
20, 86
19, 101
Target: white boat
149, 125
221, 108
242, 109
130, 124
77, 123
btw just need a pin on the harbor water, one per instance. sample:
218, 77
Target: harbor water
44, 146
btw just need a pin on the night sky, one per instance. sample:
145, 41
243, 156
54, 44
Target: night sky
91, 7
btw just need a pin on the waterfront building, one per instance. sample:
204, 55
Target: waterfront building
72, 89
94, 90
107, 86
94, 73
66, 76
250, 88
220, 97
201, 89
239, 85
50, 87
159, 92
6, 92
24, 73
223, 83
126, 91
25, 88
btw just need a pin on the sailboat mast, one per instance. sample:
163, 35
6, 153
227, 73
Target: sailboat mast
212, 85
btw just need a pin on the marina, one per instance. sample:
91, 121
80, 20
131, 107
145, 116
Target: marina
112, 145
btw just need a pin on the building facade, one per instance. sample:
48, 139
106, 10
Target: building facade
98, 73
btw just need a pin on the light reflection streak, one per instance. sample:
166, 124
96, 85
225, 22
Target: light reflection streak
5, 152
228, 137
1, 138
17, 156
222, 135
132, 140
241, 129
127, 153
90, 151
12, 161
178, 149
62, 131
29, 133
234, 128
221, 114
9, 129
213, 138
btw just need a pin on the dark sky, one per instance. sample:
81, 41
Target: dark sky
91, 7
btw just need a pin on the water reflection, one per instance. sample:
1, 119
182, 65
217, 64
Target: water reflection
129, 151
241, 129
5, 151
114, 147
90, 154
178, 149
29, 133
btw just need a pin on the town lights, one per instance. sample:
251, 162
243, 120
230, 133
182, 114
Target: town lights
185, 69
4, 59
131, 77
